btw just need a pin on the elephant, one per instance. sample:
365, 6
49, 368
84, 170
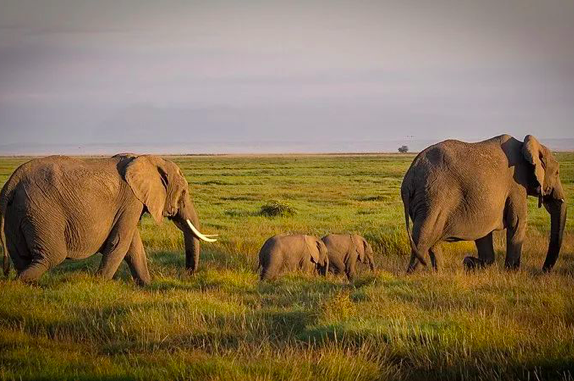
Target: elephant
292, 252
457, 191
58, 208
344, 250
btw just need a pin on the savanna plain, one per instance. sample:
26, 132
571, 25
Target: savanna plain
223, 324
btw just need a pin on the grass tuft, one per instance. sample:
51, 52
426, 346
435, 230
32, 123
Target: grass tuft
276, 208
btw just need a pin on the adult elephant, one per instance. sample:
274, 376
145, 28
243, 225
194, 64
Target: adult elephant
60, 207
456, 191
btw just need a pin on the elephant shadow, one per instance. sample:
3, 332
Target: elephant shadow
89, 265
210, 259
162, 260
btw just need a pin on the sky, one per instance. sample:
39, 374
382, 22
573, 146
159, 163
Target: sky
281, 76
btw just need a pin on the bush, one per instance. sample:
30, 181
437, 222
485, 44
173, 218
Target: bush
277, 208
403, 149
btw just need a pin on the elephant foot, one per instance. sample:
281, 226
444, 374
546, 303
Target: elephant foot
473, 263
142, 282
512, 266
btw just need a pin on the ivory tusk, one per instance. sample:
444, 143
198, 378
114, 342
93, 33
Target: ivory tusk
198, 233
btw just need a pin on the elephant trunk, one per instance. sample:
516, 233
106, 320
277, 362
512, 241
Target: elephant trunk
323, 269
371, 263
188, 223
557, 210
192, 248
369, 257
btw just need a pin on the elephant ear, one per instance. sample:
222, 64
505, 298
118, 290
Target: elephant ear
313, 247
322, 248
533, 153
359, 246
368, 248
148, 183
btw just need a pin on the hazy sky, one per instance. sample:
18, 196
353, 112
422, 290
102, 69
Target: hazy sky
172, 72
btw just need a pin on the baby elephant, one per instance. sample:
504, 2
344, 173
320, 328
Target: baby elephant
292, 252
344, 251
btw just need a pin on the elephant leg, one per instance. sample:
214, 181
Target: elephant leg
308, 267
351, 268
114, 253
413, 263
515, 234
485, 248
40, 263
137, 261
426, 233
269, 272
271, 266
435, 254
49, 253
16, 244
336, 265
118, 243
20, 257
18, 252
34, 270
351, 274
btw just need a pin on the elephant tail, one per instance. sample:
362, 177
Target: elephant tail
414, 248
3, 207
6, 196
5, 260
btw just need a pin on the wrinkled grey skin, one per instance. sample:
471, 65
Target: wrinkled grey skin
457, 191
344, 250
59, 207
292, 252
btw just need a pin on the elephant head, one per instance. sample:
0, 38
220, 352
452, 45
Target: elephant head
364, 251
545, 184
160, 185
319, 254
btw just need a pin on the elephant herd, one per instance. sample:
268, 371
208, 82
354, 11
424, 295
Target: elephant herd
58, 208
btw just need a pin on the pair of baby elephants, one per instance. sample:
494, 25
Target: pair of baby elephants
59, 208
336, 252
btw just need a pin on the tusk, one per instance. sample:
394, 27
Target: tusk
198, 233
211, 235
562, 200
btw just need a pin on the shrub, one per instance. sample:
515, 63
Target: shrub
277, 208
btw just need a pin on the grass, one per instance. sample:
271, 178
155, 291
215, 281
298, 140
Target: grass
222, 324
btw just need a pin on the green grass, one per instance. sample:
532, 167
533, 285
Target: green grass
222, 324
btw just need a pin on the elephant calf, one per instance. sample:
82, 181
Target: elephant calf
344, 250
292, 252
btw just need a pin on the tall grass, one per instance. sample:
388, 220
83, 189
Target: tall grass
223, 324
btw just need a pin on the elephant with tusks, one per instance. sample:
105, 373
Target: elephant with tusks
58, 208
